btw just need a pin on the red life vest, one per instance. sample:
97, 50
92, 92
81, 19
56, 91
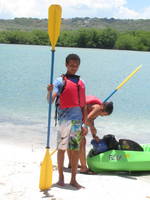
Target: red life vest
93, 100
73, 94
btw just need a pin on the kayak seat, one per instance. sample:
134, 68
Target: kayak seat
129, 145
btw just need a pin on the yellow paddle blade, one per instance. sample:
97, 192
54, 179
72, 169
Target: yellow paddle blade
54, 21
46, 172
128, 77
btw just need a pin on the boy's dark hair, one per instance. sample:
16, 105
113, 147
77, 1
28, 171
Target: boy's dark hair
108, 107
72, 57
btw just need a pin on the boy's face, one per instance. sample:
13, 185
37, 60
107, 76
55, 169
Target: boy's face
103, 113
72, 67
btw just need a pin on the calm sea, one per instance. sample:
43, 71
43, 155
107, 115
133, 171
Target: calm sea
25, 73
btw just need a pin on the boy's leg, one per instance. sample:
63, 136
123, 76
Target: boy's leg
69, 158
74, 146
69, 163
74, 155
60, 161
62, 143
82, 155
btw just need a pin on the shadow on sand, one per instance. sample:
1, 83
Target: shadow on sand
46, 194
125, 174
129, 175
66, 187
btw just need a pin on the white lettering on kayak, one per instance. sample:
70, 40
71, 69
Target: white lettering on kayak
115, 157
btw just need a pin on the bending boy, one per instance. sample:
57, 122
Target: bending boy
95, 108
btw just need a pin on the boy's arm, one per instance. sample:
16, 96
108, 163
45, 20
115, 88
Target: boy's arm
55, 88
84, 120
49, 90
90, 121
84, 114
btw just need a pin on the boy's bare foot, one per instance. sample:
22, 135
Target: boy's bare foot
87, 171
84, 169
69, 166
76, 185
61, 183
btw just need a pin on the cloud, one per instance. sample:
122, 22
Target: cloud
23, 8
92, 4
125, 13
89, 7
145, 13
71, 8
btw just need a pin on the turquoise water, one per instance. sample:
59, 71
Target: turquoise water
25, 72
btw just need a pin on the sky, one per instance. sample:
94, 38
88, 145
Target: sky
119, 9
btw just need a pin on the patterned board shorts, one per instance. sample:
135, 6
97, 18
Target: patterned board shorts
69, 135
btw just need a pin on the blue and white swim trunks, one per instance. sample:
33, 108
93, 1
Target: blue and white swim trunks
69, 134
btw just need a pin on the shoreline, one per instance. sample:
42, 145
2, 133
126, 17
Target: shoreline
20, 170
82, 48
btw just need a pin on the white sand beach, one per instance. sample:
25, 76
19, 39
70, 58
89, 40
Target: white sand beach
19, 179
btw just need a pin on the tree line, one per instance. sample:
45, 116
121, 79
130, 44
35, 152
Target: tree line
85, 38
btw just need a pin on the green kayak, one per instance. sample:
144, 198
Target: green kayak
120, 160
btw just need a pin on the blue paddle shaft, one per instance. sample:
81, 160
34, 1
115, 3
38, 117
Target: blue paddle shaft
110, 96
50, 100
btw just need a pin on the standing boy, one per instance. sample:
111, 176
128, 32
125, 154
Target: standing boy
70, 92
